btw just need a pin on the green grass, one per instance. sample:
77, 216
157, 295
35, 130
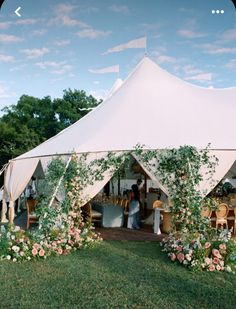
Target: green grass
113, 275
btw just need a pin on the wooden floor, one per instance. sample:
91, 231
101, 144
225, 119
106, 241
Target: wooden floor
122, 233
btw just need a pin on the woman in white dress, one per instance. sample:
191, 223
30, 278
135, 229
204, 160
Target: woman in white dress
134, 208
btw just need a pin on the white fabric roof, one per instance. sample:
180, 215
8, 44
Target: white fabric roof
153, 108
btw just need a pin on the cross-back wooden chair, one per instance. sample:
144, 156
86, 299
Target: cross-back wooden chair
90, 215
221, 215
31, 214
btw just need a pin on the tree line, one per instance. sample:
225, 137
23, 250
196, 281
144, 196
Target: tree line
33, 120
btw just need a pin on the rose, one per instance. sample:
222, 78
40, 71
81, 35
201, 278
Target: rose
60, 251
208, 260
216, 253
216, 260
207, 245
41, 252
172, 257
179, 248
222, 247
180, 257
188, 257
36, 246
34, 252
211, 267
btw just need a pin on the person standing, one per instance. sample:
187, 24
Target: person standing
134, 208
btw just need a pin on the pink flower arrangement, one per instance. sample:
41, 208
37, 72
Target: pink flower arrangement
216, 253
211, 267
41, 252
34, 252
207, 245
180, 257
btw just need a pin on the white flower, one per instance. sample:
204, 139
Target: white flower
14, 260
228, 269
16, 249
28, 258
22, 253
8, 257
13, 237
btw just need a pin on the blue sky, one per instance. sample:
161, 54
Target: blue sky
55, 43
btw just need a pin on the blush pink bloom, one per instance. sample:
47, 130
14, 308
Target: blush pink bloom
179, 248
180, 257
211, 267
60, 251
207, 245
173, 257
41, 252
34, 251
216, 260
216, 253
36, 246
222, 247
207, 260
218, 267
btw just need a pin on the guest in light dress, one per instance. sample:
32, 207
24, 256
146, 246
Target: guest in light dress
134, 208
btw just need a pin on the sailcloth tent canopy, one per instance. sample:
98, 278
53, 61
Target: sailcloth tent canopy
152, 108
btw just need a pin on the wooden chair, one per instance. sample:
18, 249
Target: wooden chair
124, 204
157, 204
90, 215
206, 212
31, 215
233, 218
221, 215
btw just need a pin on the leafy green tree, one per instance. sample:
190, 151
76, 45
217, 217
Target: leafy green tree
33, 120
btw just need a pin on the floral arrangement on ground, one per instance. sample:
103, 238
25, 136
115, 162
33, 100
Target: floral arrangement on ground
61, 225
214, 251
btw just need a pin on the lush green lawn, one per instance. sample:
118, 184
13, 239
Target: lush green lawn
113, 275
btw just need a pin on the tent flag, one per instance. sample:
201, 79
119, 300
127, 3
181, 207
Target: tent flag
111, 69
138, 43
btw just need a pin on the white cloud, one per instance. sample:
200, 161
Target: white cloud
58, 68
119, 8
29, 21
5, 25
49, 64
63, 12
165, 58
68, 21
231, 64
6, 93
228, 35
5, 38
62, 42
203, 77
96, 82
39, 32
191, 70
63, 70
35, 52
214, 49
92, 33
6, 58
190, 34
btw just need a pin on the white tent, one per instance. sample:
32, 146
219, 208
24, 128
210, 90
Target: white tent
152, 108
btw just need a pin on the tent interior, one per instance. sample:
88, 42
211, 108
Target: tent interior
111, 198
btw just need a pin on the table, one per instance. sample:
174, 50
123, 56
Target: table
112, 215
